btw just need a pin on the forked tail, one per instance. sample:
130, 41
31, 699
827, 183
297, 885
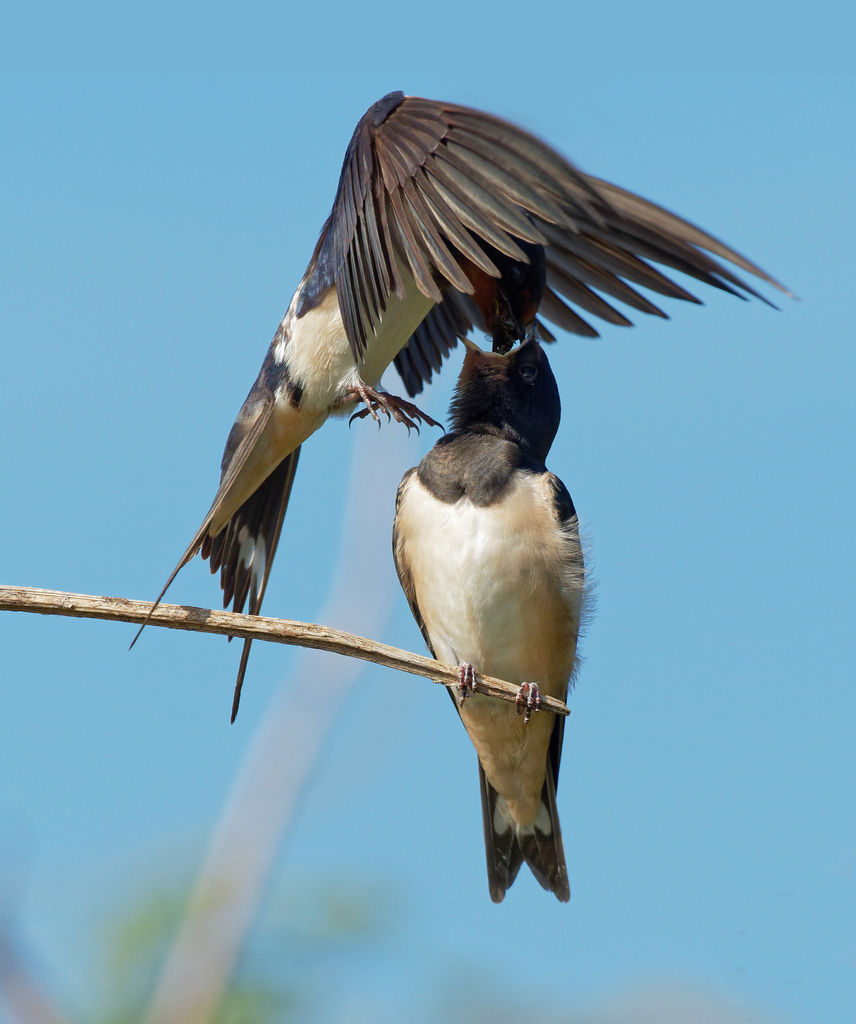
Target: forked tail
243, 551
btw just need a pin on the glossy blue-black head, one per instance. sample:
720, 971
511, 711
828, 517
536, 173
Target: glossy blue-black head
514, 395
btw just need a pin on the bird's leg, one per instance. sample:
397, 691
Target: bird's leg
398, 409
466, 681
528, 700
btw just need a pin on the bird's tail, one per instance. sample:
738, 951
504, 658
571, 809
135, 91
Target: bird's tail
244, 549
508, 844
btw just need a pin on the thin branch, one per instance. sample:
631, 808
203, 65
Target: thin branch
258, 627
279, 761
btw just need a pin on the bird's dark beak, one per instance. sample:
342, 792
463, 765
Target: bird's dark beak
518, 295
513, 324
531, 332
506, 333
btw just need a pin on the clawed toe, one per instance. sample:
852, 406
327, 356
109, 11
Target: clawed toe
528, 700
370, 409
466, 681
395, 408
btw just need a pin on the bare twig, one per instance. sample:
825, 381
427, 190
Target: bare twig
284, 750
281, 631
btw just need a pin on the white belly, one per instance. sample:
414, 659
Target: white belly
316, 350
502, 588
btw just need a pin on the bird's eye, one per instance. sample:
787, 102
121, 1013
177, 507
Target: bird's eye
528, 371
516, 274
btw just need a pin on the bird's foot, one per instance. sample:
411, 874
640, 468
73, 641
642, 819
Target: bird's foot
395, 408
528, 700
466, 681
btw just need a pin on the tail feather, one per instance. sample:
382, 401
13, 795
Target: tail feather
508, 844
246, 431
244, 550
192, 549
502, 851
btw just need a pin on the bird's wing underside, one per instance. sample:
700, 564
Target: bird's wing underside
604, 261
431, 186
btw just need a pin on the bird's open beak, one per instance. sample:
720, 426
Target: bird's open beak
510, 329
531, 332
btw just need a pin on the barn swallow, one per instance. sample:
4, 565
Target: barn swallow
487, 548
445, 219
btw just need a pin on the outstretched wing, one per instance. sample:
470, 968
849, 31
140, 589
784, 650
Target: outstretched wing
606, 259
426, 187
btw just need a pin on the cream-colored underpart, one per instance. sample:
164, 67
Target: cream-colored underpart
318, 355
318, 359
502, 588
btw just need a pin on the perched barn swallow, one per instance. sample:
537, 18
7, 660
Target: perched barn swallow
487, 548
445, 219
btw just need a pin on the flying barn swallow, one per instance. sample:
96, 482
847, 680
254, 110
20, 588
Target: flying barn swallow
445, 219
487, 548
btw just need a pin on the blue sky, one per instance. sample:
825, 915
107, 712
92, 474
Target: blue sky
152, 231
